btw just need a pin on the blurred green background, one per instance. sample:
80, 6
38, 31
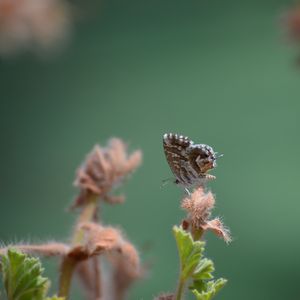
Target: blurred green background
217, 71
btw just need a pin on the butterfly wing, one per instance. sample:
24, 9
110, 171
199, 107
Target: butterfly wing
176, 148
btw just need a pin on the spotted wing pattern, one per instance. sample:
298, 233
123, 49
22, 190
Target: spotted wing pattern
189, 162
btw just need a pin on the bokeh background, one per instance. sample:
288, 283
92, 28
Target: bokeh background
220, 72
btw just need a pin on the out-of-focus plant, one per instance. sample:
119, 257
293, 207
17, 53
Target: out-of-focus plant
291, 25
291, 20
22, 277
104, 169
35, 25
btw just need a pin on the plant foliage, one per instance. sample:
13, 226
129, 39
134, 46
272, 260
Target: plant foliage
195, 267
22, 277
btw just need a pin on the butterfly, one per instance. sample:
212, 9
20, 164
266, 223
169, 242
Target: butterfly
188, 161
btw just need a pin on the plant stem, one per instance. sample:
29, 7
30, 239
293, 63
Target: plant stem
180, 289
197, 233
97, 272
68, 264
67, 267
86, 215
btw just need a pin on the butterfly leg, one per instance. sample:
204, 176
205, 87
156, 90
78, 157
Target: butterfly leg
187, 191
209, 177
166, 181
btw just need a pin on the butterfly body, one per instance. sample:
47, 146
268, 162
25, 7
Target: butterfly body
188, 161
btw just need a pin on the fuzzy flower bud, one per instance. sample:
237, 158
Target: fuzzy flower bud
199, 206
105, 169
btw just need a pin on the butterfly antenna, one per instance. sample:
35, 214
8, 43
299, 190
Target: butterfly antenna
166, 181
219, 155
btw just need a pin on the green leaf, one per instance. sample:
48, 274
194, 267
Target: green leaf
199, 285
207, 290
194, 266
204, 269
22, 277
55, 298
190, 251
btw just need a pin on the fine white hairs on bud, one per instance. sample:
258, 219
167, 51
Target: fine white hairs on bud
199, 206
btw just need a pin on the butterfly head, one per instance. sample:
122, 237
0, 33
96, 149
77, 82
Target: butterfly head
206, 158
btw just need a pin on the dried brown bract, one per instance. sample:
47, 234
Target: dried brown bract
121, 253
110, 241
199, 206
86, 275
105, 169
125, 274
